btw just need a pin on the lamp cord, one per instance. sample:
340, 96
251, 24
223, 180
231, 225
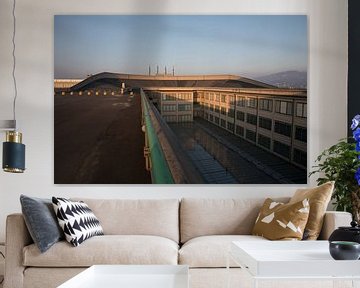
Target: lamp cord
14, 61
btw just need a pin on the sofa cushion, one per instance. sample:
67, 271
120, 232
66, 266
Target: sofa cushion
158, 217
279, 221
200, 217
319, 198
107, 249
77, 220
35, 277
41, 221
211, 251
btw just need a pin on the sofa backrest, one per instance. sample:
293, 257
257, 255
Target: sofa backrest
159, 217
200, 217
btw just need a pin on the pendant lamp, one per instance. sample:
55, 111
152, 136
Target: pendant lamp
13, 160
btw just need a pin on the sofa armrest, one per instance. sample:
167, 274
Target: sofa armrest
333, 220
17, 237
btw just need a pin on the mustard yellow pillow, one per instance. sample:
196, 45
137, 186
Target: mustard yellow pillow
319, 198
279, 221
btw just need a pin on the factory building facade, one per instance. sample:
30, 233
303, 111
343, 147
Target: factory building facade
273, 119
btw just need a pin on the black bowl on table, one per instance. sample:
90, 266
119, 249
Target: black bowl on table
344, 250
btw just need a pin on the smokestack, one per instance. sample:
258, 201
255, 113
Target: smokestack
157, 69
165, 70
173, 71
149, 70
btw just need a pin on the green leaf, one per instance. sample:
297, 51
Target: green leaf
339, 163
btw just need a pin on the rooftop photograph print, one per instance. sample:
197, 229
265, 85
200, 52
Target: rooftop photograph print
180, 99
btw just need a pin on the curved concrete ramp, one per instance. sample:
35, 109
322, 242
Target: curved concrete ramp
132, 80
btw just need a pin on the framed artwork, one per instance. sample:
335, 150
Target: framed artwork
180, 99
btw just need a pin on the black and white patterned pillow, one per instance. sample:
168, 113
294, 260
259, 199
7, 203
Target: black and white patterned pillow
77, 220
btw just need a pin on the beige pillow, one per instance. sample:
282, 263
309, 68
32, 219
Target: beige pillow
319, 198
279, 221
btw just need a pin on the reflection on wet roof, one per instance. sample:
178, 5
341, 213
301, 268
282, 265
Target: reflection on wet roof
224, 158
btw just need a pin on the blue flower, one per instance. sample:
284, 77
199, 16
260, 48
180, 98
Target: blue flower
355, 126
356, 134
357, 176
355, 122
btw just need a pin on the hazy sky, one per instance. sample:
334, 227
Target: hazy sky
251, 45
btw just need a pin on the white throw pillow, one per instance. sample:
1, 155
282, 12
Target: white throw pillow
77, 220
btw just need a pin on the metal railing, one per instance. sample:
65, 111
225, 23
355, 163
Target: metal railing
155, 159
165, 158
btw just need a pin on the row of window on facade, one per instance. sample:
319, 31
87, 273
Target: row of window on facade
172, 96
267, 123
281, 107
178, 118
176, 107
278, 147
278, 127
232, 99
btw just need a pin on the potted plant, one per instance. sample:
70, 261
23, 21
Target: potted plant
341, 163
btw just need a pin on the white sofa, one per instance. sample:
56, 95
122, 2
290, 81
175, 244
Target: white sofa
194, 232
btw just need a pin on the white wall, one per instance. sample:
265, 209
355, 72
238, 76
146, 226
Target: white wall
327, 89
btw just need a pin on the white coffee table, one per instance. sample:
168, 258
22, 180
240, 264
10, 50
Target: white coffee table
292, 260
131, 276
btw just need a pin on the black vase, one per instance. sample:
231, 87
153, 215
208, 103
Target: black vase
351, 234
